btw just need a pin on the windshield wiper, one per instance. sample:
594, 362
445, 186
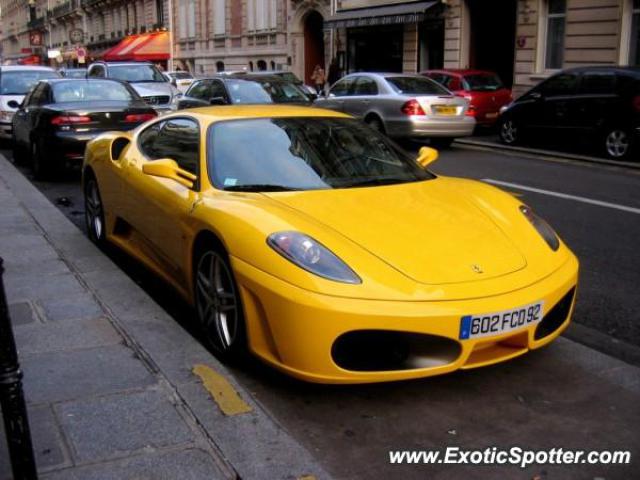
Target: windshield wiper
373, 181
260, 187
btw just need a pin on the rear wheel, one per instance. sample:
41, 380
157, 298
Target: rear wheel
218, 305
509, 132
617, 143
94, 211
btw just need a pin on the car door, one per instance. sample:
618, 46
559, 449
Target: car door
198, 95
596, 100
159, 208
558, 101
27, 119
365, 91
337, 95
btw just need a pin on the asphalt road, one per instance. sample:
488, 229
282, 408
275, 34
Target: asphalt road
351, 429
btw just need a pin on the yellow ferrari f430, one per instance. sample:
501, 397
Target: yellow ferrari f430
317, 244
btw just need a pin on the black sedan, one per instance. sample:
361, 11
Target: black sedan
597, 104
59, 116
242, 89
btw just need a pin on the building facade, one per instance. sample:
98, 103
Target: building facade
35, 27
523, 41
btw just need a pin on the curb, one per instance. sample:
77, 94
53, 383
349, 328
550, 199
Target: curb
547, 154
247, 445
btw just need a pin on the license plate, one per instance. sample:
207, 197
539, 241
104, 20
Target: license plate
445, 110
492, 115
496, 323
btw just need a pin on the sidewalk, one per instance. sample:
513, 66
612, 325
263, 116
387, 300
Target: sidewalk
108, 375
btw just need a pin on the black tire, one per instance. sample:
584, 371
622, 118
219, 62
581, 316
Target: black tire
617, 143
94, 211
39, 164
375, 123
509, 132
18, 153
442, 142
218, 305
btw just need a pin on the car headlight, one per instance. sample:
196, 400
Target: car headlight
6, 116
312, 256
543, 228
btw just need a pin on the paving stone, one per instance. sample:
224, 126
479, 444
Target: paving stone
45, 288
191, 464
58, 376
72, 307
48, 445
21, 313
116, 425
49, 265
65, 335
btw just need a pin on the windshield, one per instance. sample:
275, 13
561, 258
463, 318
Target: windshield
263, 91
90, 91
416, 86
19, 82
80, 73
482, 82
181, 75
136, 73
289, 77
279, 154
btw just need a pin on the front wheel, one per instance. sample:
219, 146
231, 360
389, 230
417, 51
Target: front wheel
617, 143
218, 305
509, 132
94, 211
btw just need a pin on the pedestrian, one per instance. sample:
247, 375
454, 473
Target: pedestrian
319, 79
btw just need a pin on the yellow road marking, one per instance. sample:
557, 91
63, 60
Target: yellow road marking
307, 477
221, 391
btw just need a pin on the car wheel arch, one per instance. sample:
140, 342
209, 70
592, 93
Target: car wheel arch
201, 240
370, 116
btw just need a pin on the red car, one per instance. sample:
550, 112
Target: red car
483, 89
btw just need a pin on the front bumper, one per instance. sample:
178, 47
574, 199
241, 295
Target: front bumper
6, 130
296, 330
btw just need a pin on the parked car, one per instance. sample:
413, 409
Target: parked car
144, 77
180, 79
290, 77
59, 116
484, 90
15, 83
302, 236
242, 89
73, 72
601, 104
400, 105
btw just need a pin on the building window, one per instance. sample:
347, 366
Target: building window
220, 66
556, 20
634, 47
261, 15
219, 17
187, 19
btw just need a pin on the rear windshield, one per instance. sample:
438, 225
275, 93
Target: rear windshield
19, 82
79, 73
260, 91
136, 73
90, 91
416, 86
482, 82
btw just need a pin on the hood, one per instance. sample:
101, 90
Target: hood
4, 99
149, 89
425, 230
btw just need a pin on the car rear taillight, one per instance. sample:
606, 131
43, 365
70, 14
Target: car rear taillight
412, 107
636, 103
139, 117
471, 111
70, 120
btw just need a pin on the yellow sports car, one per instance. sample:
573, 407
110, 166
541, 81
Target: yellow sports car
317, 244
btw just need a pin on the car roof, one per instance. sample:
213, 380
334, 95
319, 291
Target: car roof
215, 114
613, 68
53, 81
383, 75
244, 76
459, 71
102, 62
14, 68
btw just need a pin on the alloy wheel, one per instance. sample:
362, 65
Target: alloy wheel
94, 213
617, 143
217, 304
509, 132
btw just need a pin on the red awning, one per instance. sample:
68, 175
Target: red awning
144, 47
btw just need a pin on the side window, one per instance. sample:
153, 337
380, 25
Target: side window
201, 90
598, 83
365, 86
558, 85
177, 139
454, 83
342, 88
218, 90
38, 97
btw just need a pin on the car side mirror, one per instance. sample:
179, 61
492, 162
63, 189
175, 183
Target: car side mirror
217, 101
426, 156
13, 104
168, 168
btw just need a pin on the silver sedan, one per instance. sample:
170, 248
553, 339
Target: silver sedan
401, 105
